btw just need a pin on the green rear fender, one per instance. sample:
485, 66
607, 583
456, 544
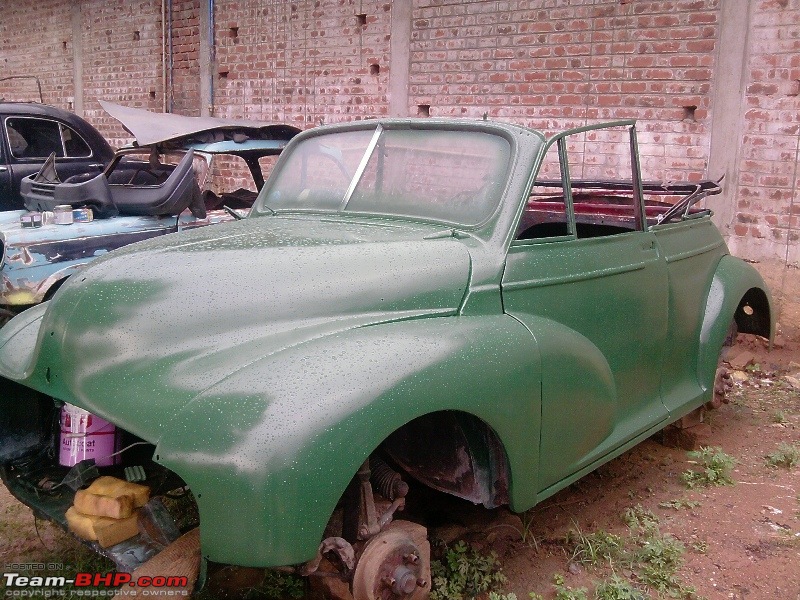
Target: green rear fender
737, 293
269, 451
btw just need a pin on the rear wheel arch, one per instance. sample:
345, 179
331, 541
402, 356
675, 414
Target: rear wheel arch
737, 294
753, 314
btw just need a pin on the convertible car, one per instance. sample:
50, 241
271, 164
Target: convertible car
468, 306
167, 181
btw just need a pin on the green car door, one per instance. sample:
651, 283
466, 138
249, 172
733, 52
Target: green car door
591, 284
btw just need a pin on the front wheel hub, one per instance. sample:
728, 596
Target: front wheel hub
395, 564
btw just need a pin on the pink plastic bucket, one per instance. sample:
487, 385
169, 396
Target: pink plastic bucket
84, 435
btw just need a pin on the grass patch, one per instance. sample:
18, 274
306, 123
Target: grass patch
595, 549
660, 557
715, 468
648, 559
786, 456
640, 521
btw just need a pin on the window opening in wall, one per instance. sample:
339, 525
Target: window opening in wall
361, 19
136, 36
233, 32
423, 110
689, 113
374, 69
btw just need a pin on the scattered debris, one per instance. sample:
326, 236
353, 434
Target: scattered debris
742, 359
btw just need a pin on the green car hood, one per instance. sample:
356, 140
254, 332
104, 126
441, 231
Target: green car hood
136, 336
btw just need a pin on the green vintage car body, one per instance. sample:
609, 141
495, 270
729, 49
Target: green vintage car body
362, 308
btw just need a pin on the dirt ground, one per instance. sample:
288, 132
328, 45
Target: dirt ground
742, 541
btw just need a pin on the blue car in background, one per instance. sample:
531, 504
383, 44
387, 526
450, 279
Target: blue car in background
181, 173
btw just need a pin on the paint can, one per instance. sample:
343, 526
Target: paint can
63, 214
82, 215
31, 219
84, 435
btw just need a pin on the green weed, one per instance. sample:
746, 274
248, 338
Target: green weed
679, 504
564, 592
463, 572
779, 417
513, 596
787, 456
640, 520
660, 558
715, 468
526, 531
617, 588
277, 585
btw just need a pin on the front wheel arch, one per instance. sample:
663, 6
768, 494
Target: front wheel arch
282, 437
463, 456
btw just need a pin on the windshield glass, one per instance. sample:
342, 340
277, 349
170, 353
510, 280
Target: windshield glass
441, 175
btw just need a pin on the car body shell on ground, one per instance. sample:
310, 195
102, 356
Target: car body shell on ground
440, 294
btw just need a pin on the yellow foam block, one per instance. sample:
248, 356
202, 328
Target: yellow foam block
119, 507
104, 530
114, 488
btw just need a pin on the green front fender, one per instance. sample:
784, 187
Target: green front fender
269, 451
737, 293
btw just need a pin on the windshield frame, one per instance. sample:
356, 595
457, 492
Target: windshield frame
379, 127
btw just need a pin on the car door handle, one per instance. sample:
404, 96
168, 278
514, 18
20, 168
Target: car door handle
96, 166
3, 169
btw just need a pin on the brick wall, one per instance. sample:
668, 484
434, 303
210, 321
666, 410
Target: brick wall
767, 217
122, 60
121, 48
44, 51
566, 64
304, 62
184, 95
